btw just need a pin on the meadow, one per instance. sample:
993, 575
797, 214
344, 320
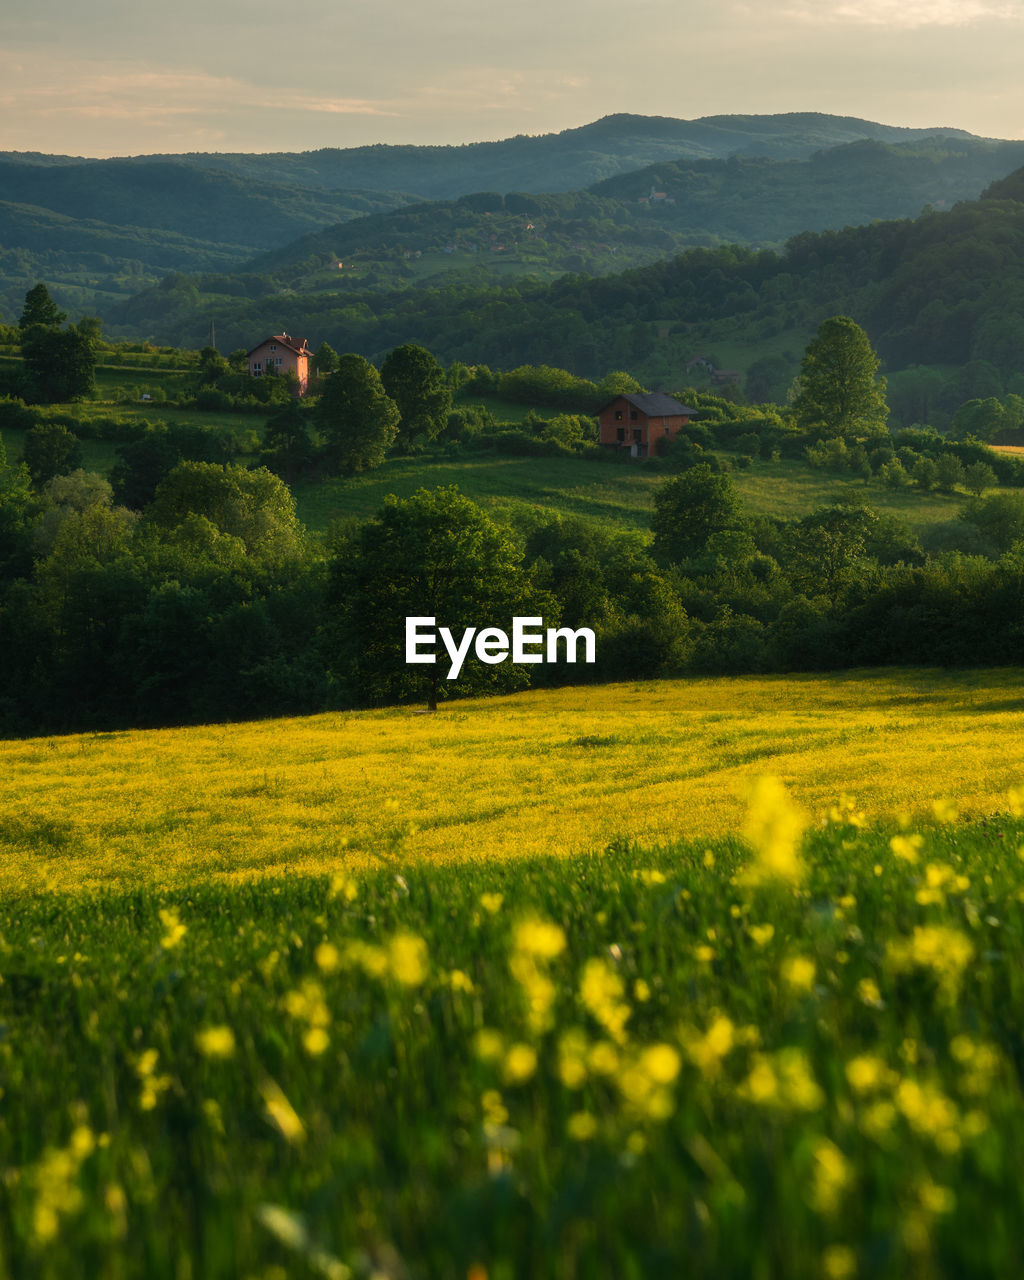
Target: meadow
795, 1053
546, 772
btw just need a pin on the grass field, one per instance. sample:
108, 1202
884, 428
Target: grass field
545, 772
621, 494
397, 1054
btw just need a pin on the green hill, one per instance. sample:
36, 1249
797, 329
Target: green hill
562, 161
946, 288
637, 218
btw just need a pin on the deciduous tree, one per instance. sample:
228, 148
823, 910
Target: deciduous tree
434, 554
417, 384
689, 509
358, 420
839, 390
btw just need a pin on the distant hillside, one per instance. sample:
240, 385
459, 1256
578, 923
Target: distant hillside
619, 222
180, 197
565, 161
98, 230
101, 231
946, 288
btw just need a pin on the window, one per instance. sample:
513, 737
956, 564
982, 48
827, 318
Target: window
667, 430
278, 362
273, 346
621, 433
637, 433
633, 415
618, 415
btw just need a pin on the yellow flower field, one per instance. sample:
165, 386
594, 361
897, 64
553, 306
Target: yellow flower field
549, 771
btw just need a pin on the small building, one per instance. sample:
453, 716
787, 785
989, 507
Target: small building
282, 354
638, 422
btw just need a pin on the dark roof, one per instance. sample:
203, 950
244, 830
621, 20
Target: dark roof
656, 404
285, 340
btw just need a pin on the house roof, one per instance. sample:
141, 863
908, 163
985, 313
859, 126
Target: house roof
656, 404
285, 340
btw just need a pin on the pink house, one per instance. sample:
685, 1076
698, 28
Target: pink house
282, 354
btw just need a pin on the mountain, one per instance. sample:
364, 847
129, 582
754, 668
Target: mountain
565, 161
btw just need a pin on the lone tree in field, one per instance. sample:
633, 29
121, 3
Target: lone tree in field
417, 384
435, 554
357, 419
839, 392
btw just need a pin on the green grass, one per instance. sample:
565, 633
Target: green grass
678, 1073
621, 494
791, 489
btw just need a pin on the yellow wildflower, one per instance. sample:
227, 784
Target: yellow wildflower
867, 1072
944, 950
868, 993
175, 929
762, 934
344, 887
281, 1113
315, 1041
572, 1059
489, 1044
798, 972
830, 1178
945, 810
539, 938
216, 1042
581, 1126
707, 1051
407, 959
601, 990
907, 847
520, 1063
327, 957
773, 827
838, 1262
492, 902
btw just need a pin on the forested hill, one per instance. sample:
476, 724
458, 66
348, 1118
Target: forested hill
619, 223
565, 161
944, 288
202, 204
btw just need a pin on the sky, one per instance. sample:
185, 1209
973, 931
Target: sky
120, 77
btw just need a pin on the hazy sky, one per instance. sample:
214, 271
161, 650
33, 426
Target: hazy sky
120, 77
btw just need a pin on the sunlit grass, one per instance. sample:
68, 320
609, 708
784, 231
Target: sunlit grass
546, 772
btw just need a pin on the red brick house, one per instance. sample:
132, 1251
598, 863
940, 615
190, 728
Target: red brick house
637, 422
282, 354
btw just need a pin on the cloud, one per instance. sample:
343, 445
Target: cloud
907, 14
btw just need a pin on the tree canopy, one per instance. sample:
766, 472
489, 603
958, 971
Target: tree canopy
358, 420
434, 554
839, 391
417, 384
